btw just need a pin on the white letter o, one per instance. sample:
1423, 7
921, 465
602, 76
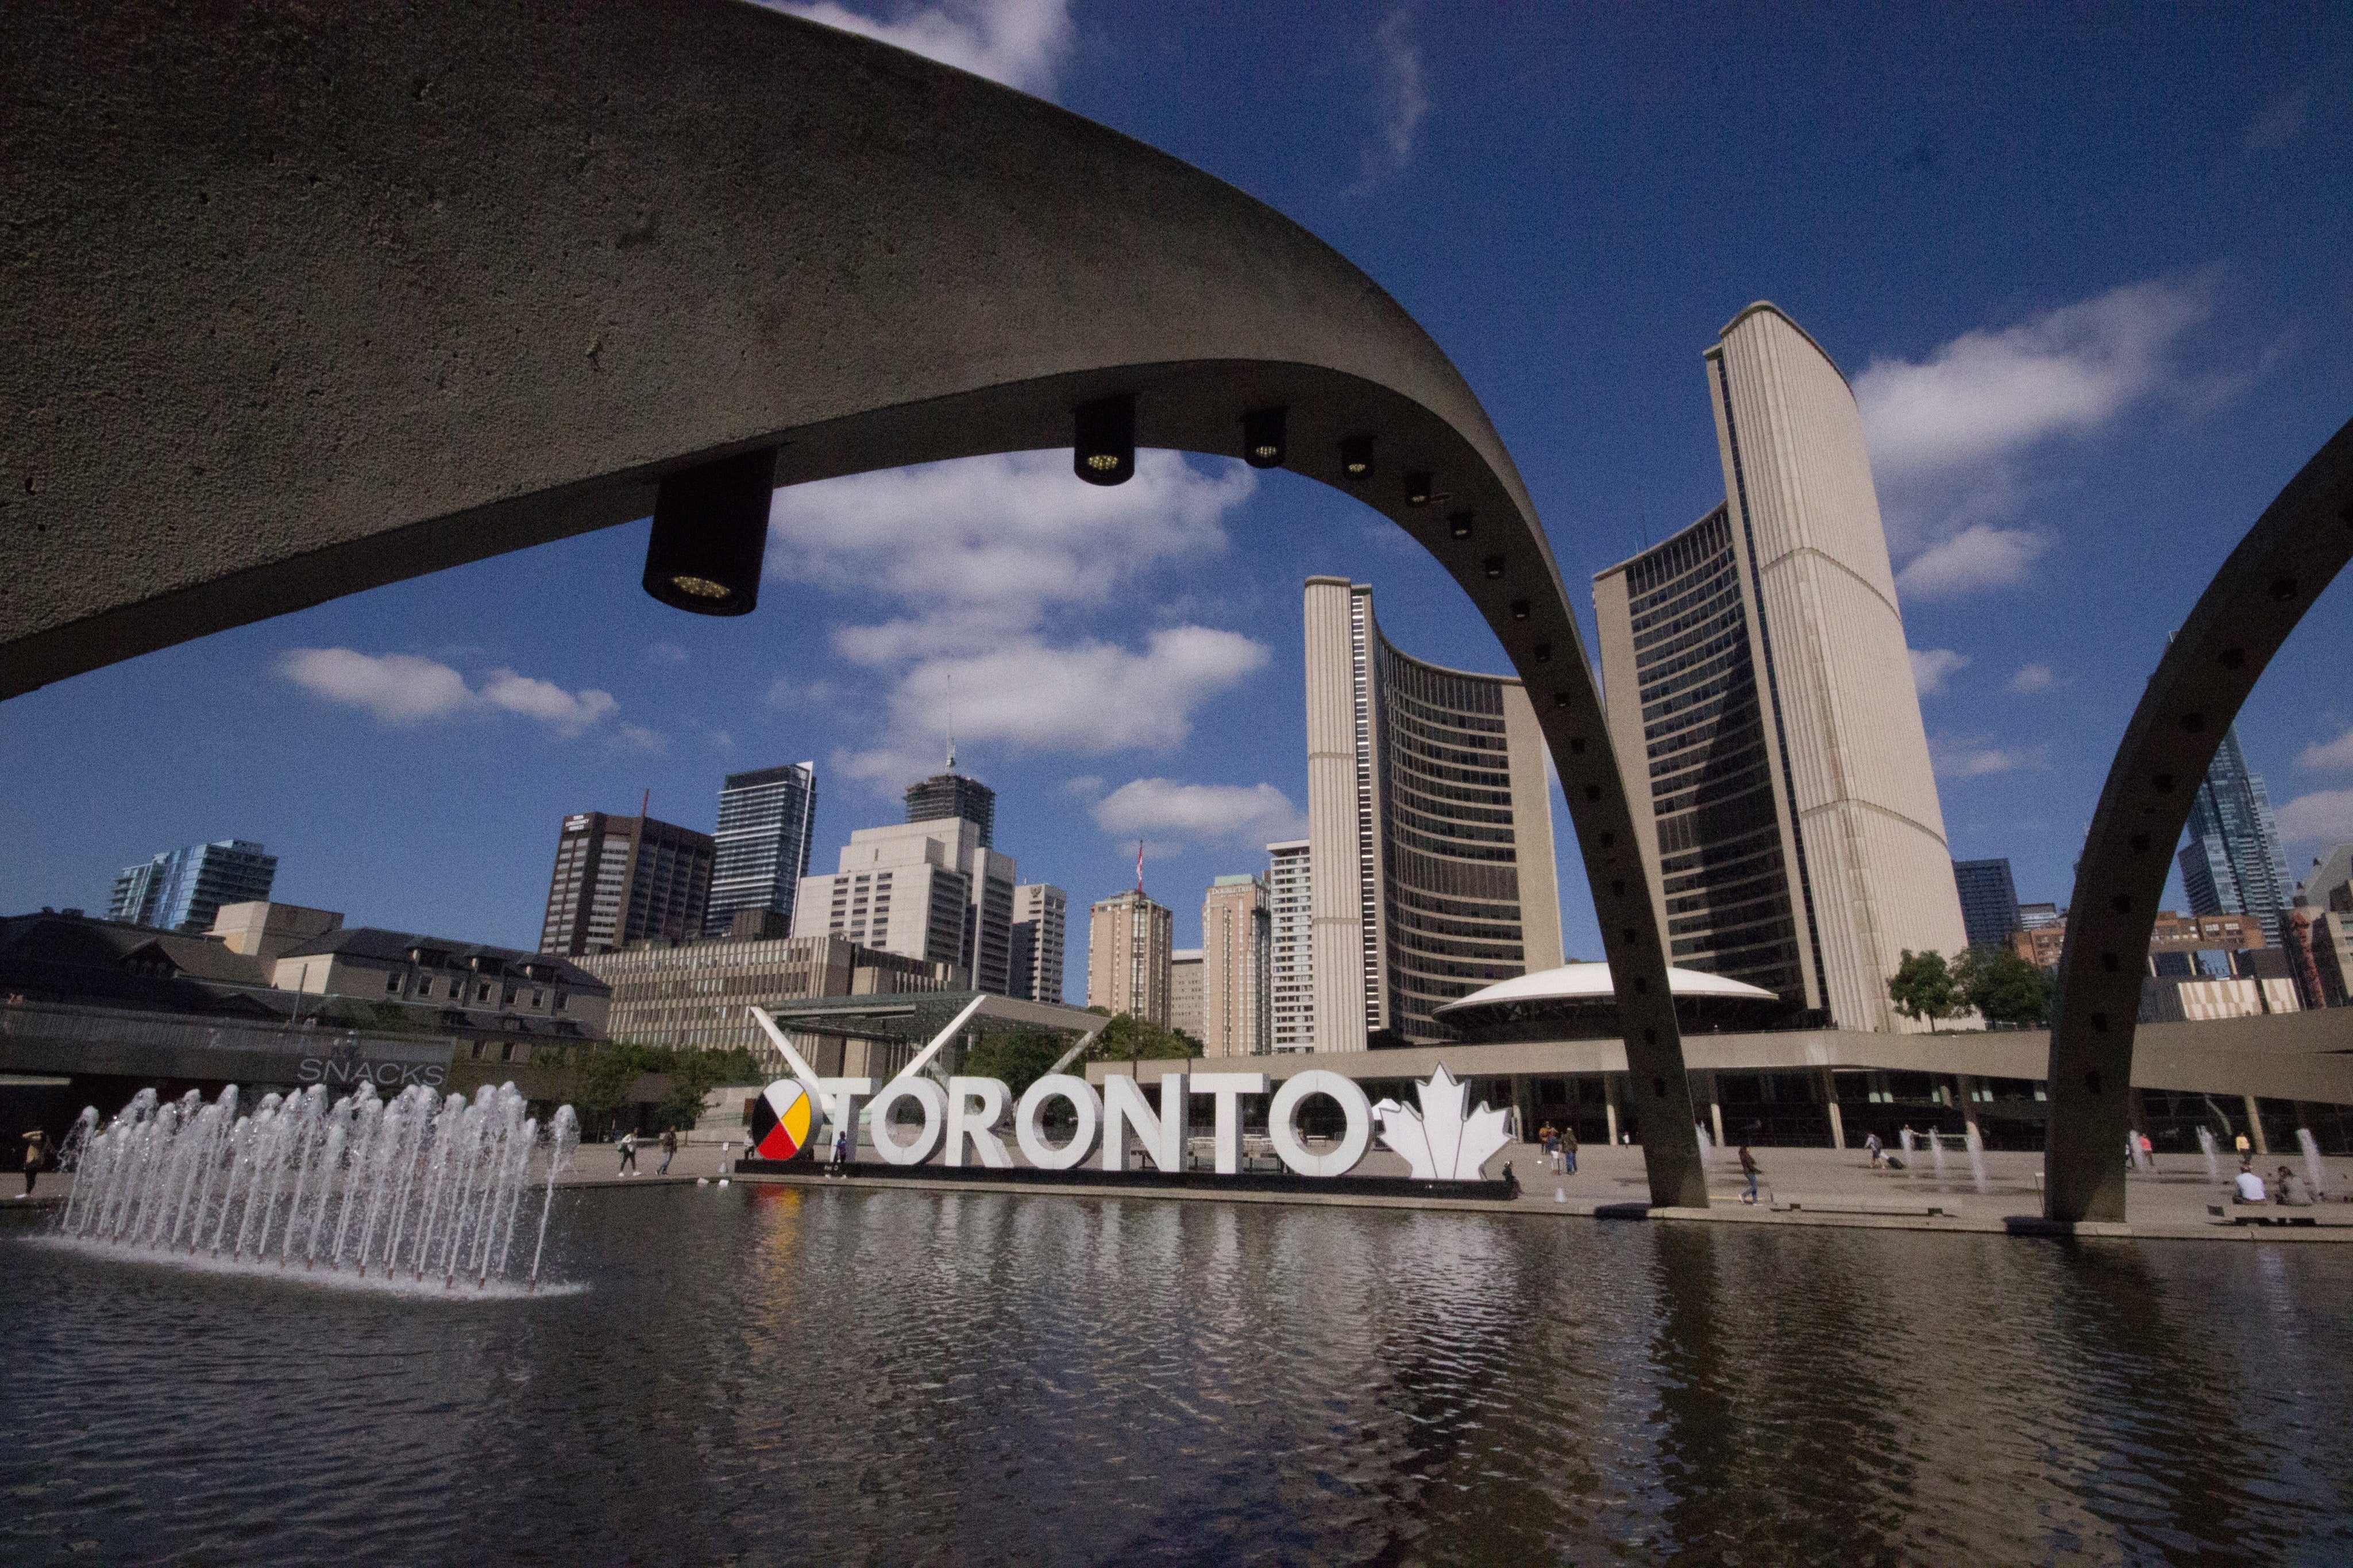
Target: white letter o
1032, 1138
924, 1092
1355, 1109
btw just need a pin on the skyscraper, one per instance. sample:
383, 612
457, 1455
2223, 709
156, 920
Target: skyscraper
762, 848
1429, 830
926, 889
1184, 991
1041, 924
620, 879
949, 797
1761, 701
1128, 956
2232, 864
1291, 948
182, 889
1237, 941
1988, 900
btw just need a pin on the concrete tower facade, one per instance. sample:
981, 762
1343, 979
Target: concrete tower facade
1041, 918
1760, 698
1129, 953
923, 889
1237, 941
1428, 830
1291, 1023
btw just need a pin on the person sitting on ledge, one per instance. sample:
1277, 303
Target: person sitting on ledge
2251, 1188
2285, 1194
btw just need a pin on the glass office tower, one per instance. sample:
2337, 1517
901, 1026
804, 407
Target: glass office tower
763, 843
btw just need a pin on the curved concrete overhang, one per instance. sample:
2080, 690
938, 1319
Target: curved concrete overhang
2269, 581
303, 301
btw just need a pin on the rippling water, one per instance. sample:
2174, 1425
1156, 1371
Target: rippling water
887, 1376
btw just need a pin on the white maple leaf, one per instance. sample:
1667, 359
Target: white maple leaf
1440, 1143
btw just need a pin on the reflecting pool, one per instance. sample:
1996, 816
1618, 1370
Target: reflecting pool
860, 1375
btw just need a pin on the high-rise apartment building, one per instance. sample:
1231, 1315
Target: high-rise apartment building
950, 796
1236, 951
763, 843
1761, 704
1129, 954
1988, 900
2232, 864
183, 889
1184, 991
620, 879
1429, 830
926, 889
1041, 918
1291, 948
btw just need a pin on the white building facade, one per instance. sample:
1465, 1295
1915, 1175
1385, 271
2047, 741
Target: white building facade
1291, 948
927, 891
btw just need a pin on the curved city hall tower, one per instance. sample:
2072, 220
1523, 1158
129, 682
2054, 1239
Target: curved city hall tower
1430, 869
1755, 669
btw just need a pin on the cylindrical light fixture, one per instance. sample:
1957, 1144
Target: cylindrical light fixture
1102, 444
710, 533
1356, 459
1263, 437
1417, 490
1458, 523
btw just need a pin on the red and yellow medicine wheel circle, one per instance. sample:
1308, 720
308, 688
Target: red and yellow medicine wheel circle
781, 1120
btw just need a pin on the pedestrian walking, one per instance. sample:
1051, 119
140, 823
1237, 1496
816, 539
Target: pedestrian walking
36, 1154
1872, 1147
1548, 1139
1749, 1168
628, 1166
2148, 1154
670, 1149
1568, 1149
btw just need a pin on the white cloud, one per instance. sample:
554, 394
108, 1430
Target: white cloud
2324, 815
2032, 679
1976, 558
1085, 786
1201, 813
1403, 102
2329, 756
665, 653
1022, 43
637, 737
1991, 394
1975, 756
1930, 665
402, 688
2281, 123
566, 712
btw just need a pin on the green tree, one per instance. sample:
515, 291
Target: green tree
2002, 987
1923, 987
601, 1086
692, 1075
1128, 1039
1019, 1059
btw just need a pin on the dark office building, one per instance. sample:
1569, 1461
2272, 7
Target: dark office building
620, 879
945, 798
1988, 900
762, 845
2232, 864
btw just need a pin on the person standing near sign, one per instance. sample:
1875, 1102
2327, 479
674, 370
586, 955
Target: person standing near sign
1568, 1148
841, 1149
670, 1149
36, 1154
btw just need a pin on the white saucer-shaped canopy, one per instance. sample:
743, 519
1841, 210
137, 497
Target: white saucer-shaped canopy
1589, 982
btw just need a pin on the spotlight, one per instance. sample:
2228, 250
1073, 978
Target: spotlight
1541, 653
710, 533
1519, 609
1492, 566
1356, 459
1417, 490
1102, 451
1263, 438
1459, 524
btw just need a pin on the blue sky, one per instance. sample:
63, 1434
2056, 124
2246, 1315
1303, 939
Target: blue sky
2089, 273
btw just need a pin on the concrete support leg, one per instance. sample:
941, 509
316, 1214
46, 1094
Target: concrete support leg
1609, 1104
2255, 1125
1830, 1099
1969, 1103
1714, 1111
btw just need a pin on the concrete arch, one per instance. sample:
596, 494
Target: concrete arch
2269, 581
309, 301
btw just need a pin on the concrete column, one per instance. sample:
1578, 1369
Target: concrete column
1714, 1111
1830, 1098
1969, 1104
1609, 1104
2255, 1126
